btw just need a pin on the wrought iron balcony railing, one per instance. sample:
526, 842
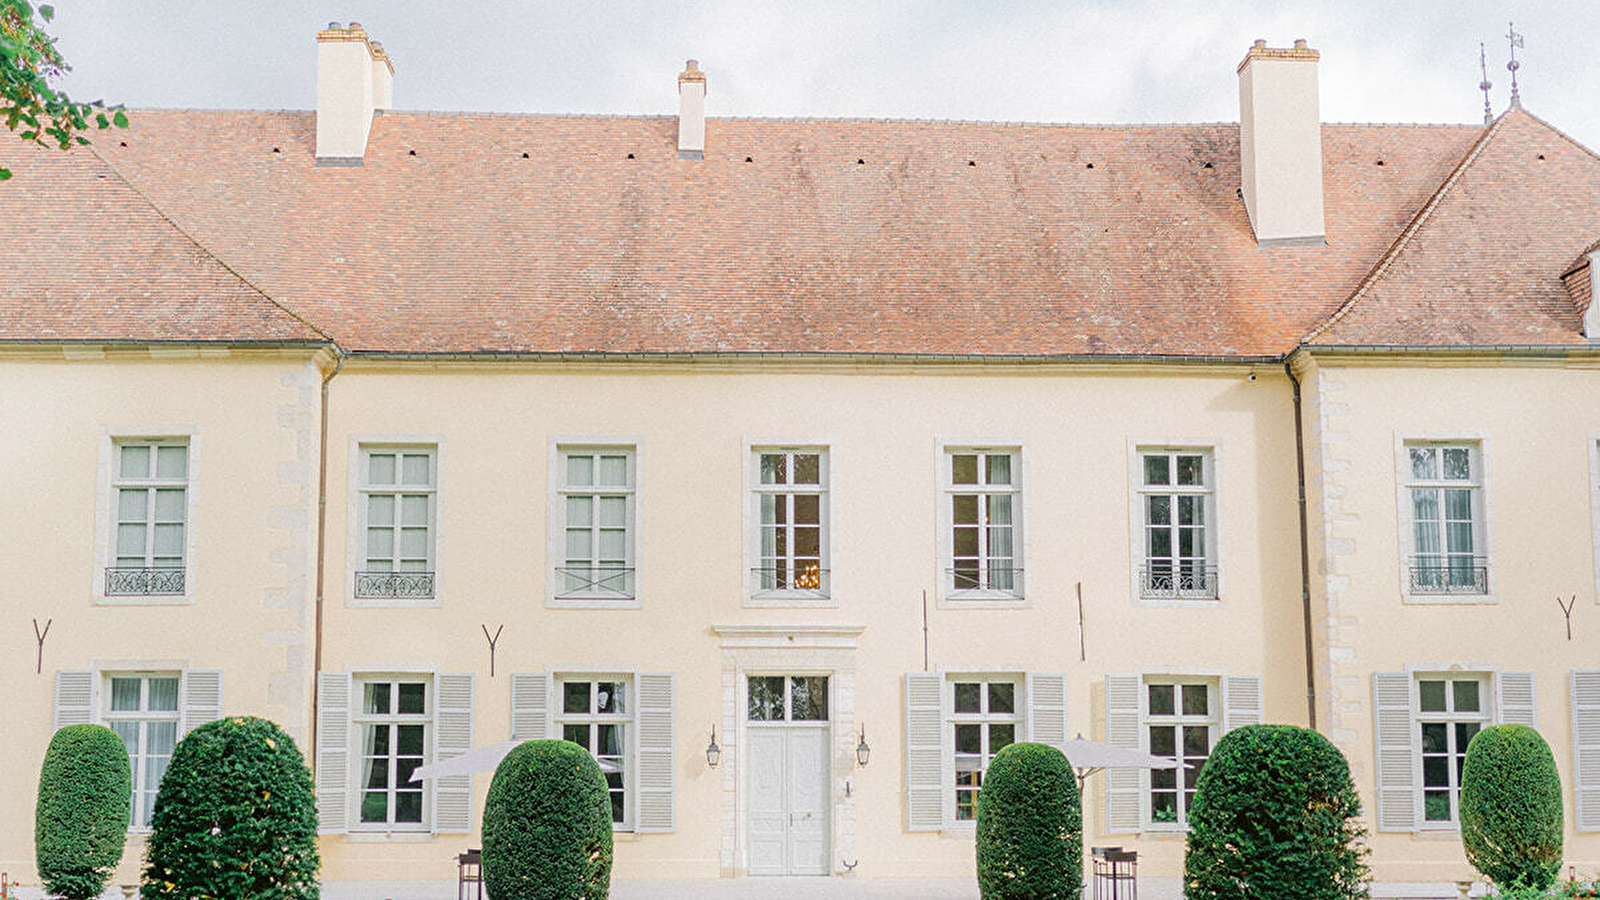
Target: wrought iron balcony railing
1005, 580
1178, 581
394, 585
1449, 575
594, 583
802, 579
124, 582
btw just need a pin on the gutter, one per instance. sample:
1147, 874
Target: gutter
322, 538
1305, 553
809, 356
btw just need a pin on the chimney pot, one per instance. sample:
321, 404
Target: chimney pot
1261, 43
1280, 145
335, 26
355, 26
1300, 43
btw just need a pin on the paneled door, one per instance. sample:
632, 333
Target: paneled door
788, 775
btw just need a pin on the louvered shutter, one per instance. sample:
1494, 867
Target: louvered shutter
924, 752
1514, 696
1122, 730
1586, 748
655, 776
452, 736
74, 698
202, 698
530, 706
1241, 701
333, 751
1392, 729
1047, 708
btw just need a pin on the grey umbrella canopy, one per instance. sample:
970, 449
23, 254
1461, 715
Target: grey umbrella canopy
1088, 757
481, 759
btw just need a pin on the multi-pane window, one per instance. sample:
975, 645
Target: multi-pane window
596, 715
791, 491
1450, 711
143, 711
984, 496
150, 494
1444, 487
392, 725
1176, 495
1180, 723
597, 512
787, 698
984, 720
398, 508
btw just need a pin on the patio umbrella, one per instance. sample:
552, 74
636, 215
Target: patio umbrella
1088, 757
482, 759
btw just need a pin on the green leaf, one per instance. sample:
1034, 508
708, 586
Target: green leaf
5, 174
100, 120
47, 12
120, 119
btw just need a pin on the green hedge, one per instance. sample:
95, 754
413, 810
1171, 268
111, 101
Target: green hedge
81, 822
1030, 826
235, 818
547, 825
1511, 817
1275, 814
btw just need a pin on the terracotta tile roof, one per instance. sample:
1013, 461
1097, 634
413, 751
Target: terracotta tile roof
86, 258
493, 233
1482, 263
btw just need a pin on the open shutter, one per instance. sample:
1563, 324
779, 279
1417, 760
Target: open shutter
1047, 708
74, 700
1392, 729
655, 753
924, 753
1122, 730
202, 698
1241, 701
1586, 747
452, 736
530, 706
1514, 697
333, 751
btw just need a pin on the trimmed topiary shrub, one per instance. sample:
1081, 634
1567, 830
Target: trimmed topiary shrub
1275, 814
81, 822
235, 818
547, 825
1030, 826
1511, 818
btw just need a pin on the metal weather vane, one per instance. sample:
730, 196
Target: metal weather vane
1485, 84
1513, 65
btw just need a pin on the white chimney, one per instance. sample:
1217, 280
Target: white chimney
1280, 145
354, 77
691, 112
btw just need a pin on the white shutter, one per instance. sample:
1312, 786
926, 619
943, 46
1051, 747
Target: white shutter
452, 736
1514, 697
1586, 748
1392, 728
202, 698
1122, 730
655, 776
924, 752
333, 751
1047, 708
530, 706
74, 700
1241, 701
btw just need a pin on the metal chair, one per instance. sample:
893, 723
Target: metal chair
1116, 873
469, 870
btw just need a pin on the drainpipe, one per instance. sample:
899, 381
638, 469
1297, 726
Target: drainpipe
1305, 554
322, 531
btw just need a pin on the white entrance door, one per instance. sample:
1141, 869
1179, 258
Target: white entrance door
788, 800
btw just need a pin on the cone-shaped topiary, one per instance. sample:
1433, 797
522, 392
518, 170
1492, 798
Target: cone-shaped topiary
81, 821
235, 818
1275, 814
1511, 818
1030, 826
547, 825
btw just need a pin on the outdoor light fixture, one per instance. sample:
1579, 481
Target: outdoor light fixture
862, 750
713, 752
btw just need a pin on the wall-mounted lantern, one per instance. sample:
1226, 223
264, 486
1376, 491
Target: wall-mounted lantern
863, 752
713, 752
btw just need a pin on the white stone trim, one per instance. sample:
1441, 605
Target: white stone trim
752, 520
555, 519
1404, 532
355, 540
943, 445
1213, 447
1594, 497
104, 517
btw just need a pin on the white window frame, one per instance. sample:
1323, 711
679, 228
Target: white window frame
1213, 720
360, 720
109, 481
361, 448
797, 597
628, 719
557, 594
1210, 590
1594, 496
1487, 715
144, 716
985, 717
1482, 523
983, 596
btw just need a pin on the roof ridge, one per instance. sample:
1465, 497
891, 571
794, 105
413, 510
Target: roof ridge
1402, 241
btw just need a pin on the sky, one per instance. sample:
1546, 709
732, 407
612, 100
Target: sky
994, 60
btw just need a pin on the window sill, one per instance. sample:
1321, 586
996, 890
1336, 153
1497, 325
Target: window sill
1441, 831
393, 603
963, 831
144, 599
983, 600
789, 600
1179, 602
593, 603
385, 837
1447, 599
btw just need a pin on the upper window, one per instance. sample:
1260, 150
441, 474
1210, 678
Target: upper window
1444, 489
143, 710
393, 726
791, 495
596, 512
792, 698
983, 547
1450, 710
1181, 722
597, 715
1175, 495
398, 509
984, 719
150, 496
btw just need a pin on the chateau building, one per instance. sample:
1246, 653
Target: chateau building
854, 449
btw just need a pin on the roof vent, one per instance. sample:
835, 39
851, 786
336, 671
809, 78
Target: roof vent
691, 111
